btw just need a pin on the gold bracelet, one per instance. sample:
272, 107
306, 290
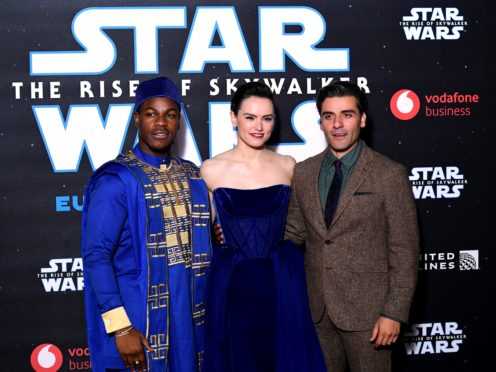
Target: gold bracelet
124, 332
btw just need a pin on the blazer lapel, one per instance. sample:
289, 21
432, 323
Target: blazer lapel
358, 176
313, 196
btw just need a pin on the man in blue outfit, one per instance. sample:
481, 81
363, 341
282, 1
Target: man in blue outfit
146, 248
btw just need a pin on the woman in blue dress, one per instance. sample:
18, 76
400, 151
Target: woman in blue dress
257, 315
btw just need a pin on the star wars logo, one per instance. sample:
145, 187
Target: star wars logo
63, 274
214, 37
433, 338
433, 24
437, 182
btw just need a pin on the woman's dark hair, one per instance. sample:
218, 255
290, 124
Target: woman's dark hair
252, 89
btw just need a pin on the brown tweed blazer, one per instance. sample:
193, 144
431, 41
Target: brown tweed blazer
366, 263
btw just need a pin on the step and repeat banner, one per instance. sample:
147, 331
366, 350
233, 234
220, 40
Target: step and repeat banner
69, 70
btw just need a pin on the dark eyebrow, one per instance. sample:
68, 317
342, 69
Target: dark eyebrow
342, 112
263, 116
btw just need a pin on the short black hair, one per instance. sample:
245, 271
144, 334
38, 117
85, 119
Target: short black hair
343, 89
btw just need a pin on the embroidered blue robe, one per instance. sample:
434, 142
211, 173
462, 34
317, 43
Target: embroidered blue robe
146, 247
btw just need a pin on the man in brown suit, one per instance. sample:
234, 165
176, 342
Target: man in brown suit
361, 268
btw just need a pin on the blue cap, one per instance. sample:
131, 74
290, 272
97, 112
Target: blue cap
158, 87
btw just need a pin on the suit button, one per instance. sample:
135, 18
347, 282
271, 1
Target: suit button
328, 242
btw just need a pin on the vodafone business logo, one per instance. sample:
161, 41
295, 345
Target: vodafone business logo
405, 104
46, 358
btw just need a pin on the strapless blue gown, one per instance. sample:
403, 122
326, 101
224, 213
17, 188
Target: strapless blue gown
257, 315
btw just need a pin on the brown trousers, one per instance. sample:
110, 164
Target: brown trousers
352, 349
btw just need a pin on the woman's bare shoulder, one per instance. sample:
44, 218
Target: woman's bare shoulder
286, 161
214, 167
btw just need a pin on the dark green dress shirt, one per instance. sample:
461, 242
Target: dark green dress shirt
327, 170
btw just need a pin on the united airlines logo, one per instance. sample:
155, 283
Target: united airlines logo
469, 260
447, 261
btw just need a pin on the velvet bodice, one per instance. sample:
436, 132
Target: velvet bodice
252, 220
